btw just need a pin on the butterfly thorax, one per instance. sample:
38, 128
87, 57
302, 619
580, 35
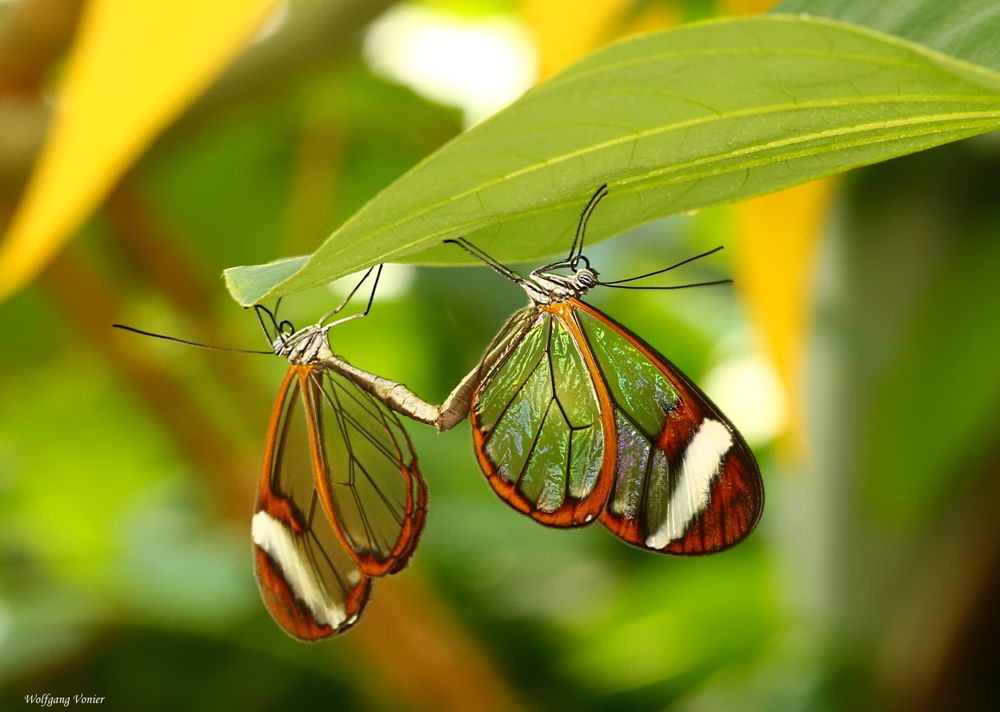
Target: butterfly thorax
544, 287
305, 346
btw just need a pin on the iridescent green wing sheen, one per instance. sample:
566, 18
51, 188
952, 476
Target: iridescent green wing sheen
309, 582
367, 473
685, 481
540, 426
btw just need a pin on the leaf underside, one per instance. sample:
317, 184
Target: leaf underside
966, 29
674, 121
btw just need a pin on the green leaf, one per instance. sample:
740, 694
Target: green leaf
673, 121
966, 29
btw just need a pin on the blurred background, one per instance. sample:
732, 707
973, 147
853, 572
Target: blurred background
857, 352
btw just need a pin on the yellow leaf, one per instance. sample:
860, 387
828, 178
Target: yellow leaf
774, 267
566, 29
134, 66
779, 235
746, 7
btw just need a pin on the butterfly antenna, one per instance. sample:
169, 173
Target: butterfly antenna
666, 269
663, 289
185, 341
576, 250
486, 259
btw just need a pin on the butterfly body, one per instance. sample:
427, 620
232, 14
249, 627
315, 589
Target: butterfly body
307, 346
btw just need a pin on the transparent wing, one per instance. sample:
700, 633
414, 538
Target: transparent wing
367, 473
310, 584
539, 424
685, 480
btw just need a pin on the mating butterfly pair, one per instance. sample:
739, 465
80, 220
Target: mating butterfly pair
574, 419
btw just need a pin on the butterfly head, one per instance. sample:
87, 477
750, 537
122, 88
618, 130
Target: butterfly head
546, 285
305, 346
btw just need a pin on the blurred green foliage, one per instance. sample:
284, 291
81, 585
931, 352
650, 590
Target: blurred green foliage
127, 466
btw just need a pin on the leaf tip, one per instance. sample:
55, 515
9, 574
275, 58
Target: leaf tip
251, 284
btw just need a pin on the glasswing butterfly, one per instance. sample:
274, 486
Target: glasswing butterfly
577, 419
340, 500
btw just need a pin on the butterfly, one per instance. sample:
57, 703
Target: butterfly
340, 499
577, 419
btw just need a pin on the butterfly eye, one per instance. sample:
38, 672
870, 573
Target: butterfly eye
587, 278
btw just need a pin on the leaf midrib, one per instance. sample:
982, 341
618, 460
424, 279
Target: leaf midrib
916, 50
922, 68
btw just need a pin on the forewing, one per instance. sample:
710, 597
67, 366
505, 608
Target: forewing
310, 584
685, 482
367, 473
540, 425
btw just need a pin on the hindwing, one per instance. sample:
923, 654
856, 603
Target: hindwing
580, 419
685, 481
366, 471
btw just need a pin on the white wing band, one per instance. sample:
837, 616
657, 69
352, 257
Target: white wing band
702, 461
